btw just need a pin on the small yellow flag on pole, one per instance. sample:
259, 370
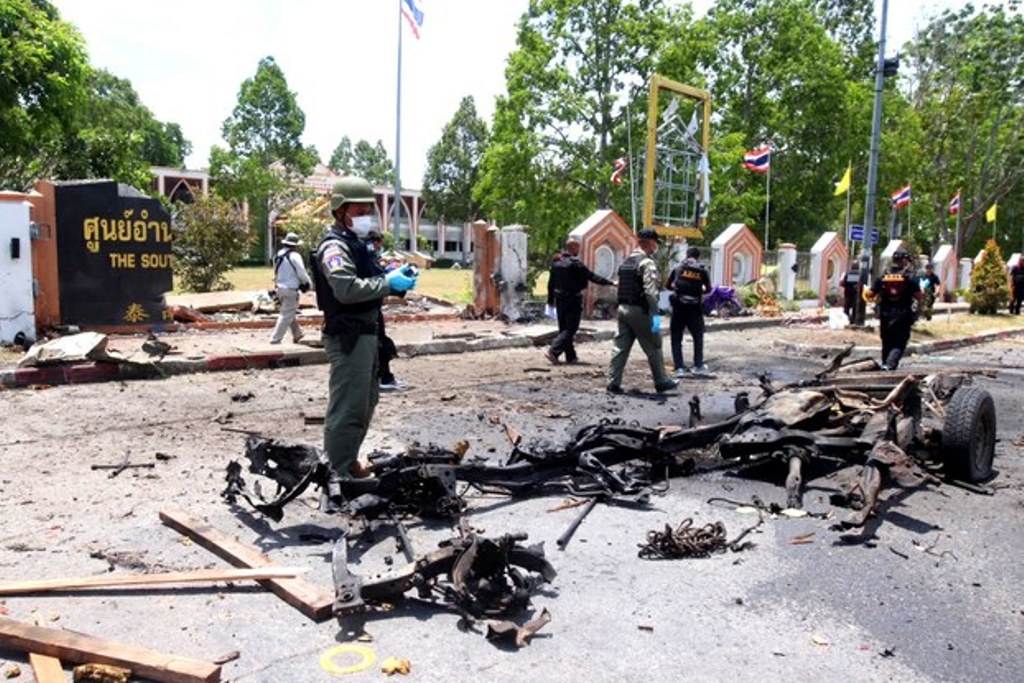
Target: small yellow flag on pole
990, 215
844, 183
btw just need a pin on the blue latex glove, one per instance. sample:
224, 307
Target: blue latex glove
399, 281
549, 312
656, 324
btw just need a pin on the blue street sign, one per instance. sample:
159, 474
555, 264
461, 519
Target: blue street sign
857, 233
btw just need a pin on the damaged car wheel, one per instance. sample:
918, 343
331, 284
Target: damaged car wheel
969, 435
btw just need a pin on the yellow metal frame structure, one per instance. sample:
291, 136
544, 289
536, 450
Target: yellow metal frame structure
659, 85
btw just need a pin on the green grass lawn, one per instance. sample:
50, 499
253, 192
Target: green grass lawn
451, 285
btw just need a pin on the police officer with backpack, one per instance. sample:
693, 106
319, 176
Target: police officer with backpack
349, 290
897, 292
638, 319
689, 282
290, 278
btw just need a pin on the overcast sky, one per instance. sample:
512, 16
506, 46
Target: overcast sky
188, 58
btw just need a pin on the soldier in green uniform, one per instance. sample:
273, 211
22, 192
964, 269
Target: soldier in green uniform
639, 287
350, 291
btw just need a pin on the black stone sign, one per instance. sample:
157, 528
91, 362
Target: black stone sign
113, 255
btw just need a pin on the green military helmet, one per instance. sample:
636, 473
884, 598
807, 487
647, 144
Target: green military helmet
351, 190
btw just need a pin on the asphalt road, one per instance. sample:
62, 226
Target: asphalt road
932, 591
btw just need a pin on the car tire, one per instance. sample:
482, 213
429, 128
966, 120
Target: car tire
969, 435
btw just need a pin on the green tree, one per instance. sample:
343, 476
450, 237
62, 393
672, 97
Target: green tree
372, 162
43, 67
341, 158
967, 73
117, 137
990, 289
265, 156
779, 77
210, 237
452, 166
576, 65
366, 160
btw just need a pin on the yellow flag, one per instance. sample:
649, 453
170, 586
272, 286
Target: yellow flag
990, 215
844, 183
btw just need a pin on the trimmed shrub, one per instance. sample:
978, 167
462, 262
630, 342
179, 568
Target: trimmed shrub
990, 288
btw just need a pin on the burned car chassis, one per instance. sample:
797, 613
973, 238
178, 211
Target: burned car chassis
897, 427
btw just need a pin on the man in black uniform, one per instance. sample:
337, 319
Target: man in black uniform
1017, 285
568, 279
689, 282
896, 292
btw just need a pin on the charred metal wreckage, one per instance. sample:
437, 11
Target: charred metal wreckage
899, 428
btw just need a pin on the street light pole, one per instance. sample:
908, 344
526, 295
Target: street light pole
869, 206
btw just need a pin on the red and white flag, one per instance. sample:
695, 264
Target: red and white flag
620, 167
900, 197
758, 160
954, 204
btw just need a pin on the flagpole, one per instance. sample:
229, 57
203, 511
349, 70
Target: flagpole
398, 141
910, 223
959, 211
767, 200
849, 242
629, 149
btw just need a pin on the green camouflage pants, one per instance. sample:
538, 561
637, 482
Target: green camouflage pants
635, 325
353, 390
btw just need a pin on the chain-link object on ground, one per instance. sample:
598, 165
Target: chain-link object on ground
688, 541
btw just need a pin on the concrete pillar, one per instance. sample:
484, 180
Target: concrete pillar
787, 272
486, 264
966, 265
17, 309
512, 271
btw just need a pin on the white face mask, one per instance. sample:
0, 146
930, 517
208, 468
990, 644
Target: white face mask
362, 225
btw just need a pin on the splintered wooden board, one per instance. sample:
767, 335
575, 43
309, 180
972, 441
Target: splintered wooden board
309, 598
80, 649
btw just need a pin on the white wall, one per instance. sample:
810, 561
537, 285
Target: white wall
17, 309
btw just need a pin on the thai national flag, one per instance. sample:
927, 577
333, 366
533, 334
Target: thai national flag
414, 15
954, 204
900, 197
758, 160
619, 167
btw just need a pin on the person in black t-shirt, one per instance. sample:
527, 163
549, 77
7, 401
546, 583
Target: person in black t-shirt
569, 277
896, 292
1017, 285
689, 282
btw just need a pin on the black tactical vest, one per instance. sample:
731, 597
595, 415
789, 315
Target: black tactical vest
689, 283
897, 292
631, 283
333, 309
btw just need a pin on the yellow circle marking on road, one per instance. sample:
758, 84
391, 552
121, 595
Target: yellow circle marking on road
328, 664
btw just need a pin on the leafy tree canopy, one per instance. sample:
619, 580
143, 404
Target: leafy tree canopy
553, 138
265, 157
43, 67
967, 91
452, 165
365, 160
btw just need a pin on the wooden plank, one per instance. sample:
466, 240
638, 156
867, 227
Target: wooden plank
310, 599
81, 649
46, 669
109, 580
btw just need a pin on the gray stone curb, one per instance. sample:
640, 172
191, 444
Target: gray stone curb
104, 372
916, 348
